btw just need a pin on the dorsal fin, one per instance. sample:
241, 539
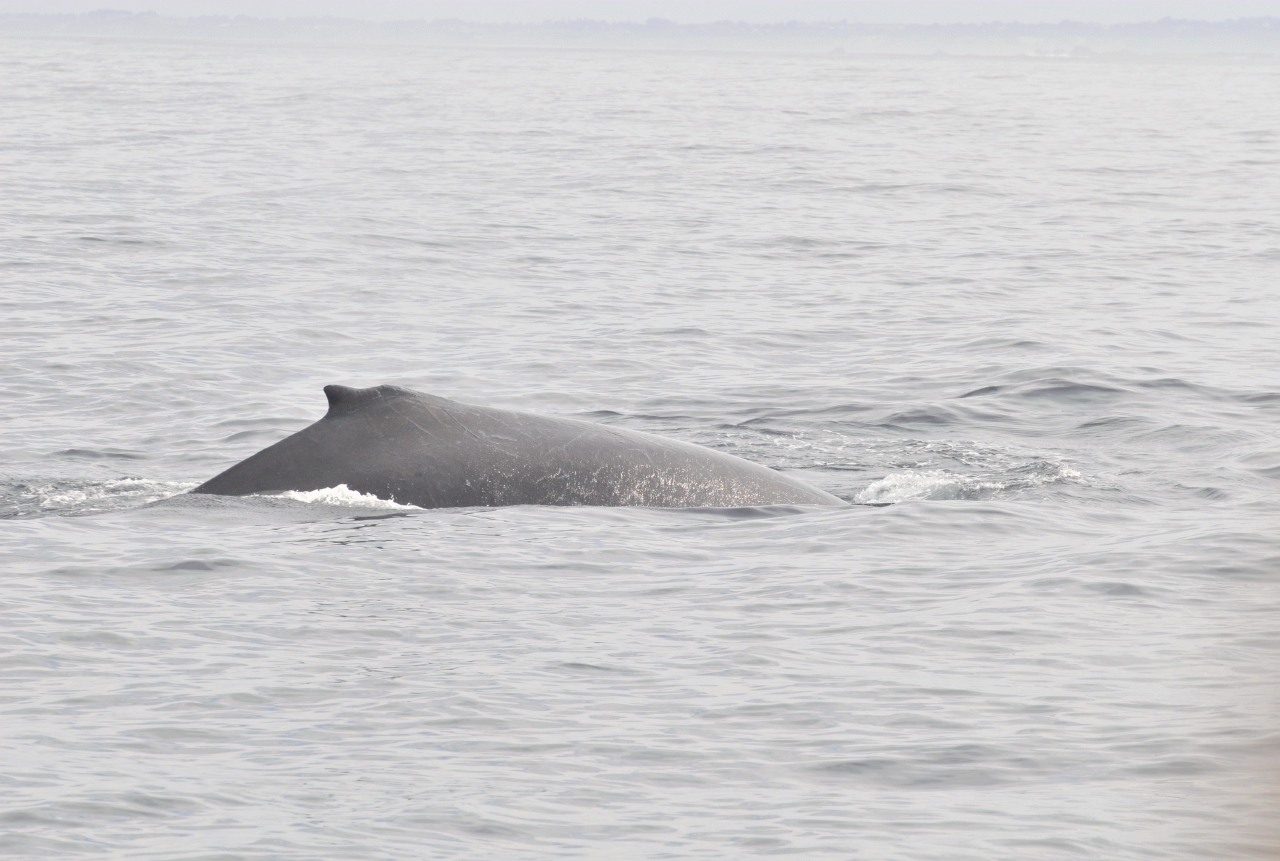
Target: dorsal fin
345, 399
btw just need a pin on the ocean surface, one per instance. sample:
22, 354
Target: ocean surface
1023, 314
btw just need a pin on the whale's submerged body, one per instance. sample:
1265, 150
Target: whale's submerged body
432, 452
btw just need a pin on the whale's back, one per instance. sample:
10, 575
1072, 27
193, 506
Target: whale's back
433, 452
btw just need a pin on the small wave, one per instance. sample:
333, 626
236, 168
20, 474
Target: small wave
343, 496
104, 454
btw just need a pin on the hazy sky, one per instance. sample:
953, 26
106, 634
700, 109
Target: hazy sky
689, 11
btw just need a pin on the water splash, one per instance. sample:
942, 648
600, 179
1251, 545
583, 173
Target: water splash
942, 484
342, 495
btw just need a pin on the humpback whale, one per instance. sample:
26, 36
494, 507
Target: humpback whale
432, 452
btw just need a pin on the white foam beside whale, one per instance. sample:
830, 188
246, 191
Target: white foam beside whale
343, 496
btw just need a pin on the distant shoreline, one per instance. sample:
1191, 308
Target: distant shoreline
1067, 38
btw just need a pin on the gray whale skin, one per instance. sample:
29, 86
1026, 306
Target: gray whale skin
432, 452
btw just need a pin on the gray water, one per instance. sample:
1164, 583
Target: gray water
1020, 313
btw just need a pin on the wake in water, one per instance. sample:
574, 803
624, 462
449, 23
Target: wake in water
857, 468
68, 498
943, 484
867, 469
83, 497
79, 497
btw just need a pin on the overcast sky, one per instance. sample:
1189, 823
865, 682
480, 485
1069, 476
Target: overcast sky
688, 11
